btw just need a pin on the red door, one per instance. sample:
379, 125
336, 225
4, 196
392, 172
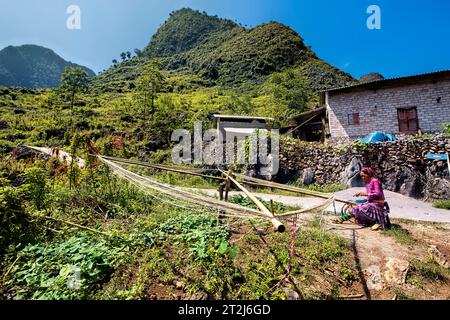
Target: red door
408, 121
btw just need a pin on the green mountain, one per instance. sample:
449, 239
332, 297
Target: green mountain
185, 30
220, 52
32, 66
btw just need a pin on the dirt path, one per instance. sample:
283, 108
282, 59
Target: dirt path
63, 156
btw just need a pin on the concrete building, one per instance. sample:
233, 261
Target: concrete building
238, 127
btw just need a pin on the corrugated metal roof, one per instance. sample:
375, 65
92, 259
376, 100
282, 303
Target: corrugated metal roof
309, 113
383, 81
224, 116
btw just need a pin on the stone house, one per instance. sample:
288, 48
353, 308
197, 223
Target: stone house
401, 106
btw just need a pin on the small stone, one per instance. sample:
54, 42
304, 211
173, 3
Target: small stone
438, 256
307, 176
197, 296
397, 271
291, 294
179, 284
373, 275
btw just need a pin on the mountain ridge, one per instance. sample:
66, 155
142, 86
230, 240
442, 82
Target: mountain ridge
221, 52
33, 66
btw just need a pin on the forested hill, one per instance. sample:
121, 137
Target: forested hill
32, 66
221, 52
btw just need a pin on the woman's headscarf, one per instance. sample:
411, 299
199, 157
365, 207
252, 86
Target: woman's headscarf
369, 171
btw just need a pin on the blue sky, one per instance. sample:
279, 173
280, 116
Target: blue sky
414, 36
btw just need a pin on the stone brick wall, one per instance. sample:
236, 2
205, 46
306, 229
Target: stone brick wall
400, 165
378, 109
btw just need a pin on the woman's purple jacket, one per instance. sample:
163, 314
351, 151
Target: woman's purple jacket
374, 190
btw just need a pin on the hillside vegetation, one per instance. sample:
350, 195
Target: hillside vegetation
206, 65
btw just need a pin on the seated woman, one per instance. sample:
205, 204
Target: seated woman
374, 212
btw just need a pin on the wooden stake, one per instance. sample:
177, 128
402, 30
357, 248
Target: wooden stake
227, 184
221, 189
221, 212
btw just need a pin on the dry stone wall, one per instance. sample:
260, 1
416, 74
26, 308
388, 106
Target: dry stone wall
400, 165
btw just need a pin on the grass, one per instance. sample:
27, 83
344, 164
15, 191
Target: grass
428, 269
400, 234
401, 295
329, 188
442, 204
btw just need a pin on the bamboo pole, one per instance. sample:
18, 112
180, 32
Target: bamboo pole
11, 267
276, 223
268, 184
153, 166
244, 179
77, 225
180, 194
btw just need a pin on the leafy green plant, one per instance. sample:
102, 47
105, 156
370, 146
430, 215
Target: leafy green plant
360, 146
446, 129
200, 232
46, 271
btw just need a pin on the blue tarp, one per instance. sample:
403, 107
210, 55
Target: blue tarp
432, 156
378, 137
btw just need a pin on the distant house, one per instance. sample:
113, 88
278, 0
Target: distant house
399, 106
239, 126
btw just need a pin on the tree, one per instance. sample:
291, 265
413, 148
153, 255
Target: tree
128, 55
74, 80
115, 62
123, 55
148, 85
289, 87
138, 52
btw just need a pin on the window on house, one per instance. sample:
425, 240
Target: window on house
353, 119
408, 121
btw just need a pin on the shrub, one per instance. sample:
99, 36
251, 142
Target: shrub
442, 204
5, 147
446, 128
13, 218
36, 186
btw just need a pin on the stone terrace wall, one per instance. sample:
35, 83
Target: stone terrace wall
400, 165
